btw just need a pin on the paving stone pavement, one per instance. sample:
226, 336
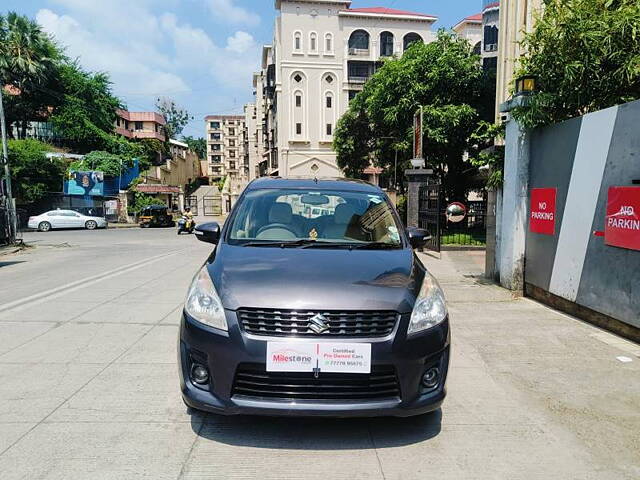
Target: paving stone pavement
89, 387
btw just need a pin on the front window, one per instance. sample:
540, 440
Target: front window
315, 217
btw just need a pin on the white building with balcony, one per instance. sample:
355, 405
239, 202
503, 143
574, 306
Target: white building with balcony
323, 52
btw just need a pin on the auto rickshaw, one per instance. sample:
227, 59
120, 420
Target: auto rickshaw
156, 216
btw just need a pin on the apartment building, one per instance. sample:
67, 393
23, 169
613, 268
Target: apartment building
490, 36
470, 28
226, 146
517, 17
323, 52
251, 150
140, 125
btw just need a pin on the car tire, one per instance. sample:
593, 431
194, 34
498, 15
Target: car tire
44, 226
91, 225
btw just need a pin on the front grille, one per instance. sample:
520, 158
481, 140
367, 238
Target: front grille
252, 380
287, 323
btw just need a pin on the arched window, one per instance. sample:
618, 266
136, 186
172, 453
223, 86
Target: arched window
359, 39
410, 38
386, 44
313, 42
328, 43
329, 107
298, 105
477, 48
297, 41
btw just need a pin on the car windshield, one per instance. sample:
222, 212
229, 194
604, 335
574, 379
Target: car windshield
314, 216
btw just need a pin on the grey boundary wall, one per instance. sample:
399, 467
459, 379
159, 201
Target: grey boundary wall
582, 158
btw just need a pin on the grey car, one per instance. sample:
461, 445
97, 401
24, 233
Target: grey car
313, 302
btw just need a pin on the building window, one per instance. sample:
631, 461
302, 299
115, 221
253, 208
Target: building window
329, 101
329, 129
490, 38
352, 94
298, 129
232, 143
138, 126
232, 131
386, 44
359, 40
297, 41
410, 38
118, 121
298, 100
214, 125
328, 43
232, 153
215, 147
313, 42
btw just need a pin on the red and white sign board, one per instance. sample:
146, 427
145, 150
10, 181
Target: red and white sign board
622, 224
542, 218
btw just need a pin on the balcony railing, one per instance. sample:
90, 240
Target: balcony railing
359, 52
358, 79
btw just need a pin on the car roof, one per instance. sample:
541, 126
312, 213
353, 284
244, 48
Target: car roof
340, 184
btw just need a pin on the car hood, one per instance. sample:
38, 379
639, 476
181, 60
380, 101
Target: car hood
295, 278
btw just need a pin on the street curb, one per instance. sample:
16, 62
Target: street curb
122, 225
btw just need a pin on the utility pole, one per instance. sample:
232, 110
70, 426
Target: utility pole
5, 161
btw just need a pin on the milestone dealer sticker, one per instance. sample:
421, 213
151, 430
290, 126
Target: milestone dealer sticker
319, 357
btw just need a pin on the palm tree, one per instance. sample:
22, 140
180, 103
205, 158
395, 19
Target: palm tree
28, 59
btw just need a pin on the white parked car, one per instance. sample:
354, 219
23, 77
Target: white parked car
65, 219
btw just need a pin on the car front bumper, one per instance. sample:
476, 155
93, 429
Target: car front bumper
223, 352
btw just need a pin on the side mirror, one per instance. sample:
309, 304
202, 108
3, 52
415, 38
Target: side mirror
418, 236
208, 232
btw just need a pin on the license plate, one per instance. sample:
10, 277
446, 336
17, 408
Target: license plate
319, 357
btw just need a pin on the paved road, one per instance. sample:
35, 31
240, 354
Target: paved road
89, 390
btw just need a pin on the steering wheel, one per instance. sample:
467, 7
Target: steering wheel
273, 226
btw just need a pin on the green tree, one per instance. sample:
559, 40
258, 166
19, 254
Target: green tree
33, 175
446, 79
87, 111
176, 117
586, 55
353, 139
197, 145
28, 64
110, 164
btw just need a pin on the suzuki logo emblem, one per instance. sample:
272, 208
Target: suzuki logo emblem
319, 323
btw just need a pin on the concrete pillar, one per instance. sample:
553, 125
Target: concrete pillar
513, 218
415, 178
490, 220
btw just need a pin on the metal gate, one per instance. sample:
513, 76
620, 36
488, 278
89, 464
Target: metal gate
430, 213
211, 205
192, 202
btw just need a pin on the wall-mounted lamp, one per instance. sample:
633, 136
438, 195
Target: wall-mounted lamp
526, 85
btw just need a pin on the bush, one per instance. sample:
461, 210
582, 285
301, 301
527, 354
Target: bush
33, 175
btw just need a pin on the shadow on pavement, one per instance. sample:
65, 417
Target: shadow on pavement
6, 264
298, 433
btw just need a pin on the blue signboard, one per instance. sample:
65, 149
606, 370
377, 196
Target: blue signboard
85, 183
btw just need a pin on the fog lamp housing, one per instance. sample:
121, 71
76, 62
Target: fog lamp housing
431, 378
199, 374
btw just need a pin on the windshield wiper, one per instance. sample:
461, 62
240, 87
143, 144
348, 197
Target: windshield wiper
376, 246
282, 244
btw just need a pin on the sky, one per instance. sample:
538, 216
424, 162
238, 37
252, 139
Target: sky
200, 53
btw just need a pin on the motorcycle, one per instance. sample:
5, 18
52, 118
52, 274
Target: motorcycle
186, 224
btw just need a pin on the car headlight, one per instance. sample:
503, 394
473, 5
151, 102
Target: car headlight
430, 308
203, 302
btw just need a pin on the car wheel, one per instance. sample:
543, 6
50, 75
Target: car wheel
91, 225
44, 226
